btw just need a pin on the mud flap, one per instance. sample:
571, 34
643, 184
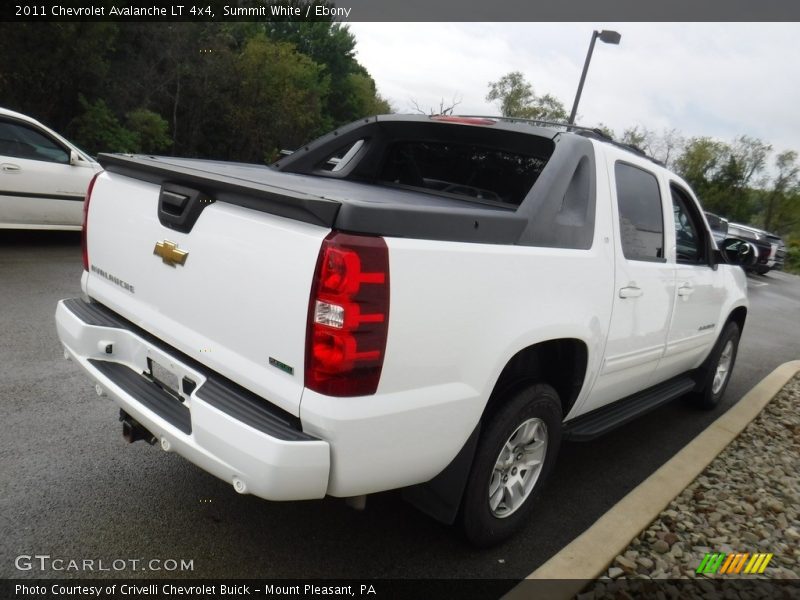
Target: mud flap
440, 498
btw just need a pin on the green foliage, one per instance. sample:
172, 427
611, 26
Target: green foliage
351, 91
280, 98
605, 129
180, 87
45, 66
363, 99
723, 175
517, 99
782, 202
792, 263
636, 136
97, 129
700, 160
548, 108
514, 93
150, 129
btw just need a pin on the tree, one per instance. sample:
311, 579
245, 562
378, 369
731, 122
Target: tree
362, 98
279, 102
517, 99
733, 181
725, 176
667, 146
637, 137
97, 129
605, 130
661, 146
699, 164
351, 90
150, 129
781, 203
185, 72
45, 67
444, 109
700, 160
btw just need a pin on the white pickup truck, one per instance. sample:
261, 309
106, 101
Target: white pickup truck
429, 303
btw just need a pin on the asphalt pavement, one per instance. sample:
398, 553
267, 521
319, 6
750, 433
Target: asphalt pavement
73, 489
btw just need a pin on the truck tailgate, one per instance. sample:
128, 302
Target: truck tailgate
239, 301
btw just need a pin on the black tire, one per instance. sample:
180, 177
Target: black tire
478, 522
706, 396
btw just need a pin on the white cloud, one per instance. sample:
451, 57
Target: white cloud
721, 80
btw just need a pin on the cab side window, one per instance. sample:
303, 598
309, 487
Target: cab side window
20, 141
690, 236
641, 220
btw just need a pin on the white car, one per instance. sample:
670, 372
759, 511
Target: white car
43, 177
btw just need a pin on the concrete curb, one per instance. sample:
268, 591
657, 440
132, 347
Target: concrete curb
592, 551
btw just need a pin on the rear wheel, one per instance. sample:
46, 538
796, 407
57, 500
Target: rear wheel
515, 454
716, 373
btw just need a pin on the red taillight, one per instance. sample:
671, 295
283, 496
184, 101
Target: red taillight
348, 316
84, 245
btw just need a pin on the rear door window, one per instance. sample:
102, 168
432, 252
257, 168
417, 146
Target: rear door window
641, 220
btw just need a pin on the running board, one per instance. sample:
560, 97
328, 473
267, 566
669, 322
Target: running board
604, 419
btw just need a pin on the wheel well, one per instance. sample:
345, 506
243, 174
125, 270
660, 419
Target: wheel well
559, 363
738, 316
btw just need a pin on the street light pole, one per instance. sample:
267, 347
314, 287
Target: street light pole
609, 37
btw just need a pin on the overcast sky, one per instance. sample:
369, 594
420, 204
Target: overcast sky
720, 80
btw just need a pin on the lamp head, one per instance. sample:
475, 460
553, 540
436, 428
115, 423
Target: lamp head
609, 37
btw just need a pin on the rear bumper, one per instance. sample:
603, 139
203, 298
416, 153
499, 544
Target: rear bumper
218, 426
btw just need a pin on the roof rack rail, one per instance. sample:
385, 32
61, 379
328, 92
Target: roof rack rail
591, 132
568, 126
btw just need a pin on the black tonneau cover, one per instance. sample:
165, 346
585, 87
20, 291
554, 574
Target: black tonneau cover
334, 203
293, 190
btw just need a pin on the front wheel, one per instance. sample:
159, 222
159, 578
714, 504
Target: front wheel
716, 373
515, 454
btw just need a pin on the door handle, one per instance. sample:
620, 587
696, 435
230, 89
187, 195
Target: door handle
9, 168
685, 290
630, 291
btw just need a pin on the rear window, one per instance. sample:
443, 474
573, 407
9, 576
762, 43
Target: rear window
464, 169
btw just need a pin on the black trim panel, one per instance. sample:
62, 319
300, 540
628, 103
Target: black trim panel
148, 393
220, 392
92, 314
604, 419
250, 410
440, 498
241, 192
42, 196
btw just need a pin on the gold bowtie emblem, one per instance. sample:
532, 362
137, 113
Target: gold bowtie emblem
169, 253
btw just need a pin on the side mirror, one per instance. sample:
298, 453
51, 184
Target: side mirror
74, 158
738, 252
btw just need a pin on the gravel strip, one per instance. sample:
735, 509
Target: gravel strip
746, 500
